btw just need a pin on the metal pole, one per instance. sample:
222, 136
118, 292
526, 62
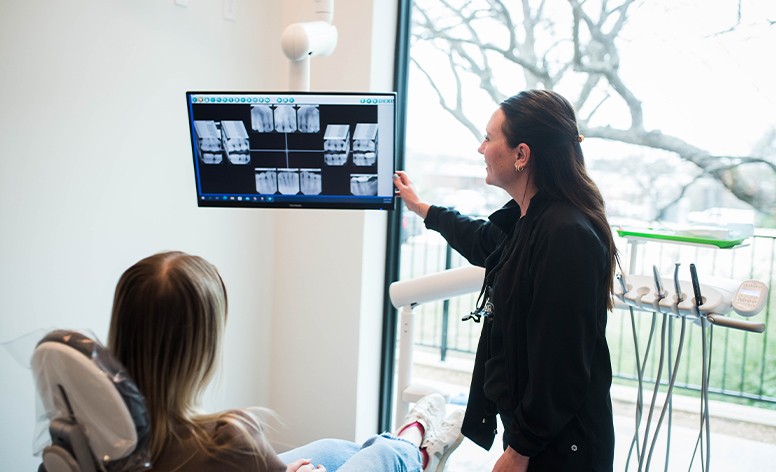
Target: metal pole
445, 310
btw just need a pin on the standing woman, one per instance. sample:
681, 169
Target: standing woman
542, 362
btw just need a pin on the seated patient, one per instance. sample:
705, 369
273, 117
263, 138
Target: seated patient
167, 326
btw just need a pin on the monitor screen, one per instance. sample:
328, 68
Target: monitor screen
293, 149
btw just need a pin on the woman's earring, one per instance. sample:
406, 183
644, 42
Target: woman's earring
519, 168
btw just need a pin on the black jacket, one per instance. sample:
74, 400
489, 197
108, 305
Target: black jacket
547, 274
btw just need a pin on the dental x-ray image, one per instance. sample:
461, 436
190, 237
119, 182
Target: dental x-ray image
266, 180
365, 144
289, 149
336, 145
271, 180
285, 119
309, 118
363, 184
288, 181
311, 181
236, 142
209, 141
261, 119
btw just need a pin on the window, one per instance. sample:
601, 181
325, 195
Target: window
674, 98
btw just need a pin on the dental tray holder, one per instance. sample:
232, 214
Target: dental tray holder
731, 241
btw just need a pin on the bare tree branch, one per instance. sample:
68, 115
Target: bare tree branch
524, 35
457, 111
735, 25
723, 168
604, 59
661, 212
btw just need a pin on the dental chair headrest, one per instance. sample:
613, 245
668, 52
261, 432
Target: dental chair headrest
78, 379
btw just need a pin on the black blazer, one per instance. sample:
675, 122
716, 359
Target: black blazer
547, 274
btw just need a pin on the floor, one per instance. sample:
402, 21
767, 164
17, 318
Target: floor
728, 453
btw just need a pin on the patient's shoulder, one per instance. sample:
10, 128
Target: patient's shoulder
239, 428
230, 441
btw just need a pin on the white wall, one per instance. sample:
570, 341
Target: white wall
328, 306
95, 173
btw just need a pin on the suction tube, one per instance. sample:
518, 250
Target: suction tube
640, 367
705, 370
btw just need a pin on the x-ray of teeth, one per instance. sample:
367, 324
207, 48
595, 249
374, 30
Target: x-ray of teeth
336, 144
336, 138
236, 142
285, 119
364, 158
363, 184
211, 158
209, 140
261, 119
365, 137
288, 181
239, 158
309, 118
266, 180
311, 181
335, 158
235, 136
365, 144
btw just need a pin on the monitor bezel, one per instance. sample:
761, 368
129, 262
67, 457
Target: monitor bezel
333, 202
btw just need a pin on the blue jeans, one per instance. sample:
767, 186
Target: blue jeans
383, 453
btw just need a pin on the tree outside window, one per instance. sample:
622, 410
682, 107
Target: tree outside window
675, 99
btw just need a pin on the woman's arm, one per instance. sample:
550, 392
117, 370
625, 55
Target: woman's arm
473, 238
409, 195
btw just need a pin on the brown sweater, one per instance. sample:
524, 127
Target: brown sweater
184, 454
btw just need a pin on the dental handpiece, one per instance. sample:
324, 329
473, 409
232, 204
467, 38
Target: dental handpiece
696, 288
677, 285
621, 278
661, 294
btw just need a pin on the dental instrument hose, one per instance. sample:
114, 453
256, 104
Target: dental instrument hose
660, 295
705, 372
654, 392
669, 394
640, 367
679, 298
704, 404
635, 440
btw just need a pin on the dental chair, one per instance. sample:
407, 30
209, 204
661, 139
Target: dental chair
97, 418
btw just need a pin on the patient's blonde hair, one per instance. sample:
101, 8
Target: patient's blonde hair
167, 324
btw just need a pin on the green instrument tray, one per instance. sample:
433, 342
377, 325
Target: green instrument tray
649, 233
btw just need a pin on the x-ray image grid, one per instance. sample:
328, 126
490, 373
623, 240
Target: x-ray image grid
288, 148
288, 181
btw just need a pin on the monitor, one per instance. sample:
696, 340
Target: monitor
293, 149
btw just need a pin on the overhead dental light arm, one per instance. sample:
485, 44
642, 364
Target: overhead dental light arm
301, 41
405, 295
324, 10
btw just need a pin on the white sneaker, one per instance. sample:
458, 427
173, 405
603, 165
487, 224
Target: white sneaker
428, 411
441, 445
